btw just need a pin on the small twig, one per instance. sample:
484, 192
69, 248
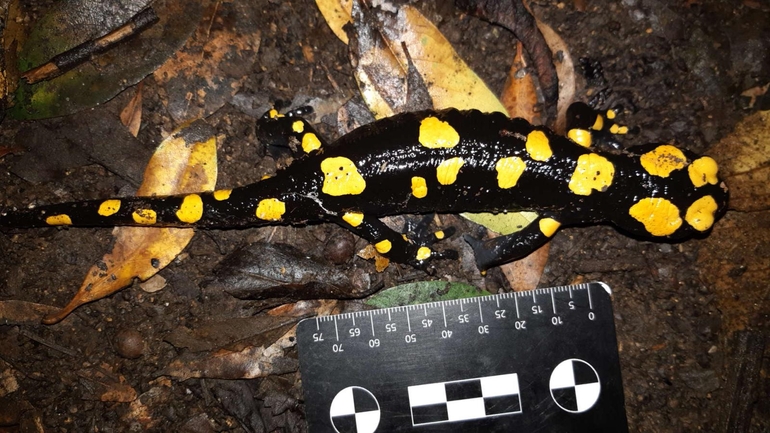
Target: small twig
75, 56
46, 343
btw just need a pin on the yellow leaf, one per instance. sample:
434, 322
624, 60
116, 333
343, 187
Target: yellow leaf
744, 162
337, 14
185, 162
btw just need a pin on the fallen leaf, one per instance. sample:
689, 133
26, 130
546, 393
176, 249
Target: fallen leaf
519, 97
450, 81
337, 14
265, 271
422, 292
91, 83
23, 313
131, 116
249, 363
185, 162
106, 385
744, 162
216, 334
212, 66
5, 150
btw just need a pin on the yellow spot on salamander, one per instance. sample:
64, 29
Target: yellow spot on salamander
274, 114
58, 220
611, 114
614, 129
702, 171
270, 209
419, 187
599, 123
580, 136
109, 207
383, 247
439, 234
538, 146
700, 215
191, 209
509, 171
310, 142
341, 177
298, 126
446, 173
222, 194
593, 172
659, 216
663, 160
548, 226
622, 130
423, 253
144, 216
436, 134
353, 218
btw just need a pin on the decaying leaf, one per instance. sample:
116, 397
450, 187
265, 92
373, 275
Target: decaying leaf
63, 27
380, 262
213, 64
185, 162
106, 385
238, 331
450, 81
744, 163
263, 271
23, 313
248, 363
422, 292
131, 116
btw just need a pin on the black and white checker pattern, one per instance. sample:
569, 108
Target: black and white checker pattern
575, 385
462, 400
355, 410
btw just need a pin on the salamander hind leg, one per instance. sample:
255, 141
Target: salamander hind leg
413, 247
503, 249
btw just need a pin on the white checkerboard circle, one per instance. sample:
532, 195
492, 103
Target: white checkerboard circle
575, 385
355, 410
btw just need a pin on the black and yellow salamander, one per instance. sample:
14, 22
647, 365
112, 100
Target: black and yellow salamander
439, 162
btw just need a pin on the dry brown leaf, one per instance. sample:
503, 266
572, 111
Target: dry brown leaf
565, 70
131, 116
23, 313
185, 162
210, 68
520, 91
744, 162
106, 385
519, 97
248, 363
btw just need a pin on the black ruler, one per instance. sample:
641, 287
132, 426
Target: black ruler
544, 360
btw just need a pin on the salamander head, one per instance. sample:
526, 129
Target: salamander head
679, 195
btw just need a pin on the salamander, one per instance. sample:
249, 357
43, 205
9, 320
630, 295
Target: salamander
446, 161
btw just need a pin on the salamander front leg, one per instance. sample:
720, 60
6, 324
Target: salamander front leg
503, 249
398, 247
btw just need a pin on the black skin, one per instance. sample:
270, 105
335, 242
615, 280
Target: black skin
387, 154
